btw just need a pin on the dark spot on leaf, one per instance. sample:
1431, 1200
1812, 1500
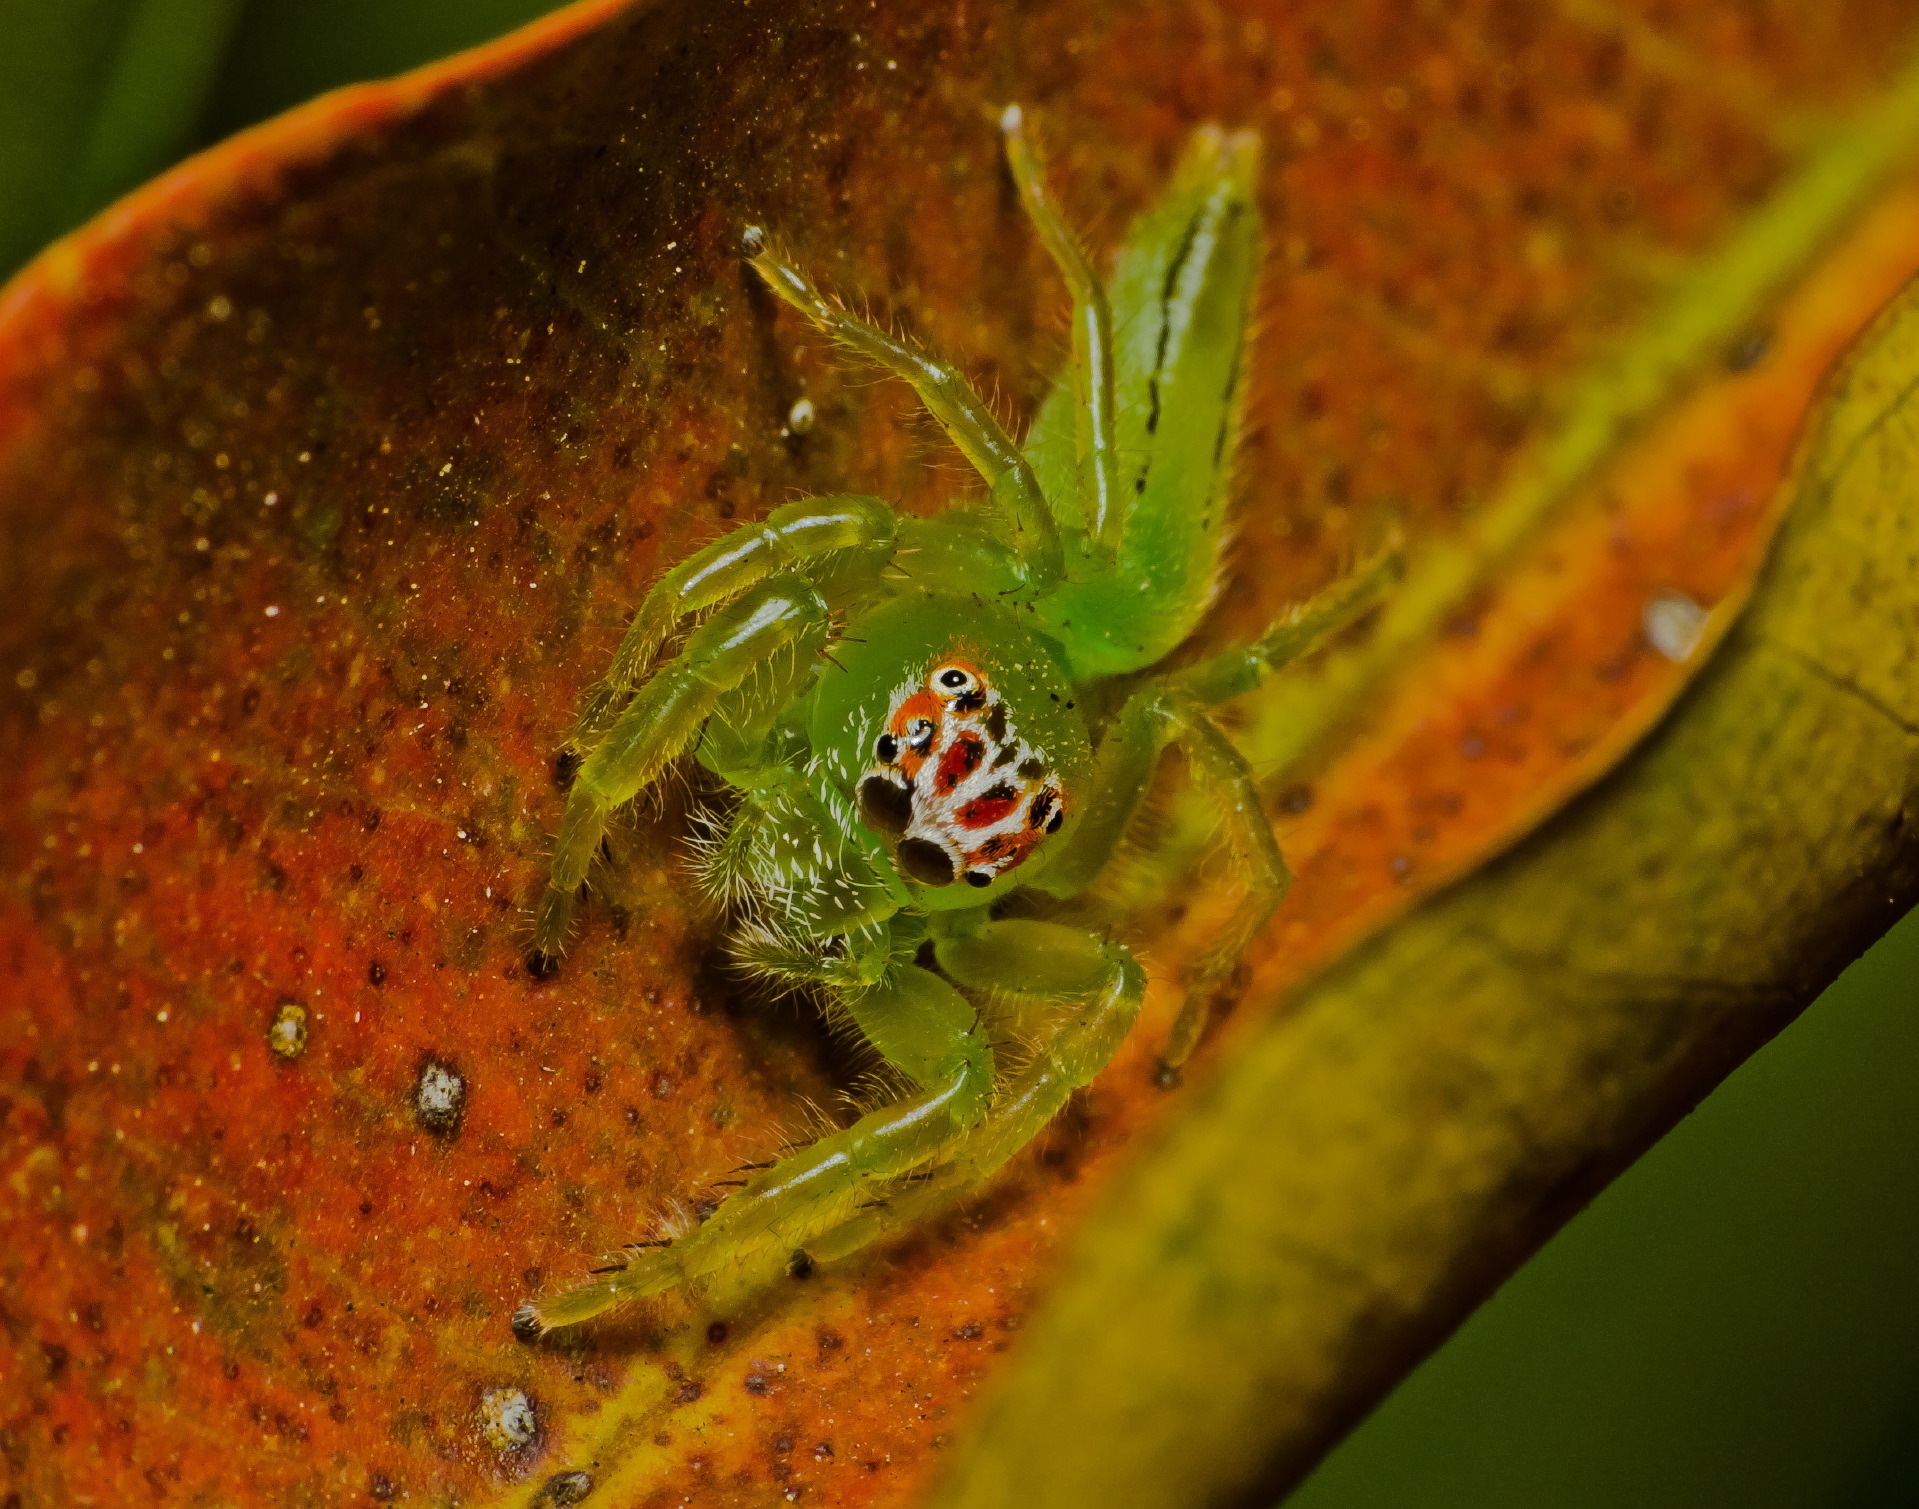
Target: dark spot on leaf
567, 1488
439, 1097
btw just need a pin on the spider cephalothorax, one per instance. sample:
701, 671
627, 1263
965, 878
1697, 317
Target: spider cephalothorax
953, 785
920, 717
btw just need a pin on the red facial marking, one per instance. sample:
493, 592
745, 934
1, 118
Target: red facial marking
984, 811
961, 759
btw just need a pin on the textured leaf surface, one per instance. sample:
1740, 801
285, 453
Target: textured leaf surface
330, 466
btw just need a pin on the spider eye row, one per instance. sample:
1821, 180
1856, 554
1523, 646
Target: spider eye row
919, 738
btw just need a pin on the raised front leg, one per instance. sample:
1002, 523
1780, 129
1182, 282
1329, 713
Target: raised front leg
1157, 715
785, 615
922, 1027
1093, 389
948, 397
1181, 295
792, 537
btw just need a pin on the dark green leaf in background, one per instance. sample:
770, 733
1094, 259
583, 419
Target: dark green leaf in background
96, 96
1733, 1322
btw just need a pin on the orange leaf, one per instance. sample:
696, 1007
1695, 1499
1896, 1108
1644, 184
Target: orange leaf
330, 466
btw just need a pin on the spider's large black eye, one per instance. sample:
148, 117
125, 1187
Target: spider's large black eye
919, 735
884, 807
922, 860
886, 749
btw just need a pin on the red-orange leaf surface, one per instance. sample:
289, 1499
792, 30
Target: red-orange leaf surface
329, 468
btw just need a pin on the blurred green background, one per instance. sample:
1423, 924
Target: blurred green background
1735, 1322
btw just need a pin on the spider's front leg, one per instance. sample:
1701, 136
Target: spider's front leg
1086, 993
922, 1028
801, 536
783, 615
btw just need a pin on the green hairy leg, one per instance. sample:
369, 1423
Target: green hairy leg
1093, 385
949, 398
792, 537
923, 1028
1154, 717
1180, 298
1236, 672
784, 613
1090, 991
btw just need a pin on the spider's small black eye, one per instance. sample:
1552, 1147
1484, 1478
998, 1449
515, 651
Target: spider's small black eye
978, 878
886, 749
952, 679
919, 734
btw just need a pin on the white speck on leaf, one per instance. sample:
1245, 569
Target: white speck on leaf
506, 1418
1674, 624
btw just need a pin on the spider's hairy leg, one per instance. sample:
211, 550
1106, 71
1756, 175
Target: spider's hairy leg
1093, 391
1091, 991
1219, 767
1296, 632
924, 1029
1181, 294
1159, 714
805, 533
783, 613
945, 393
